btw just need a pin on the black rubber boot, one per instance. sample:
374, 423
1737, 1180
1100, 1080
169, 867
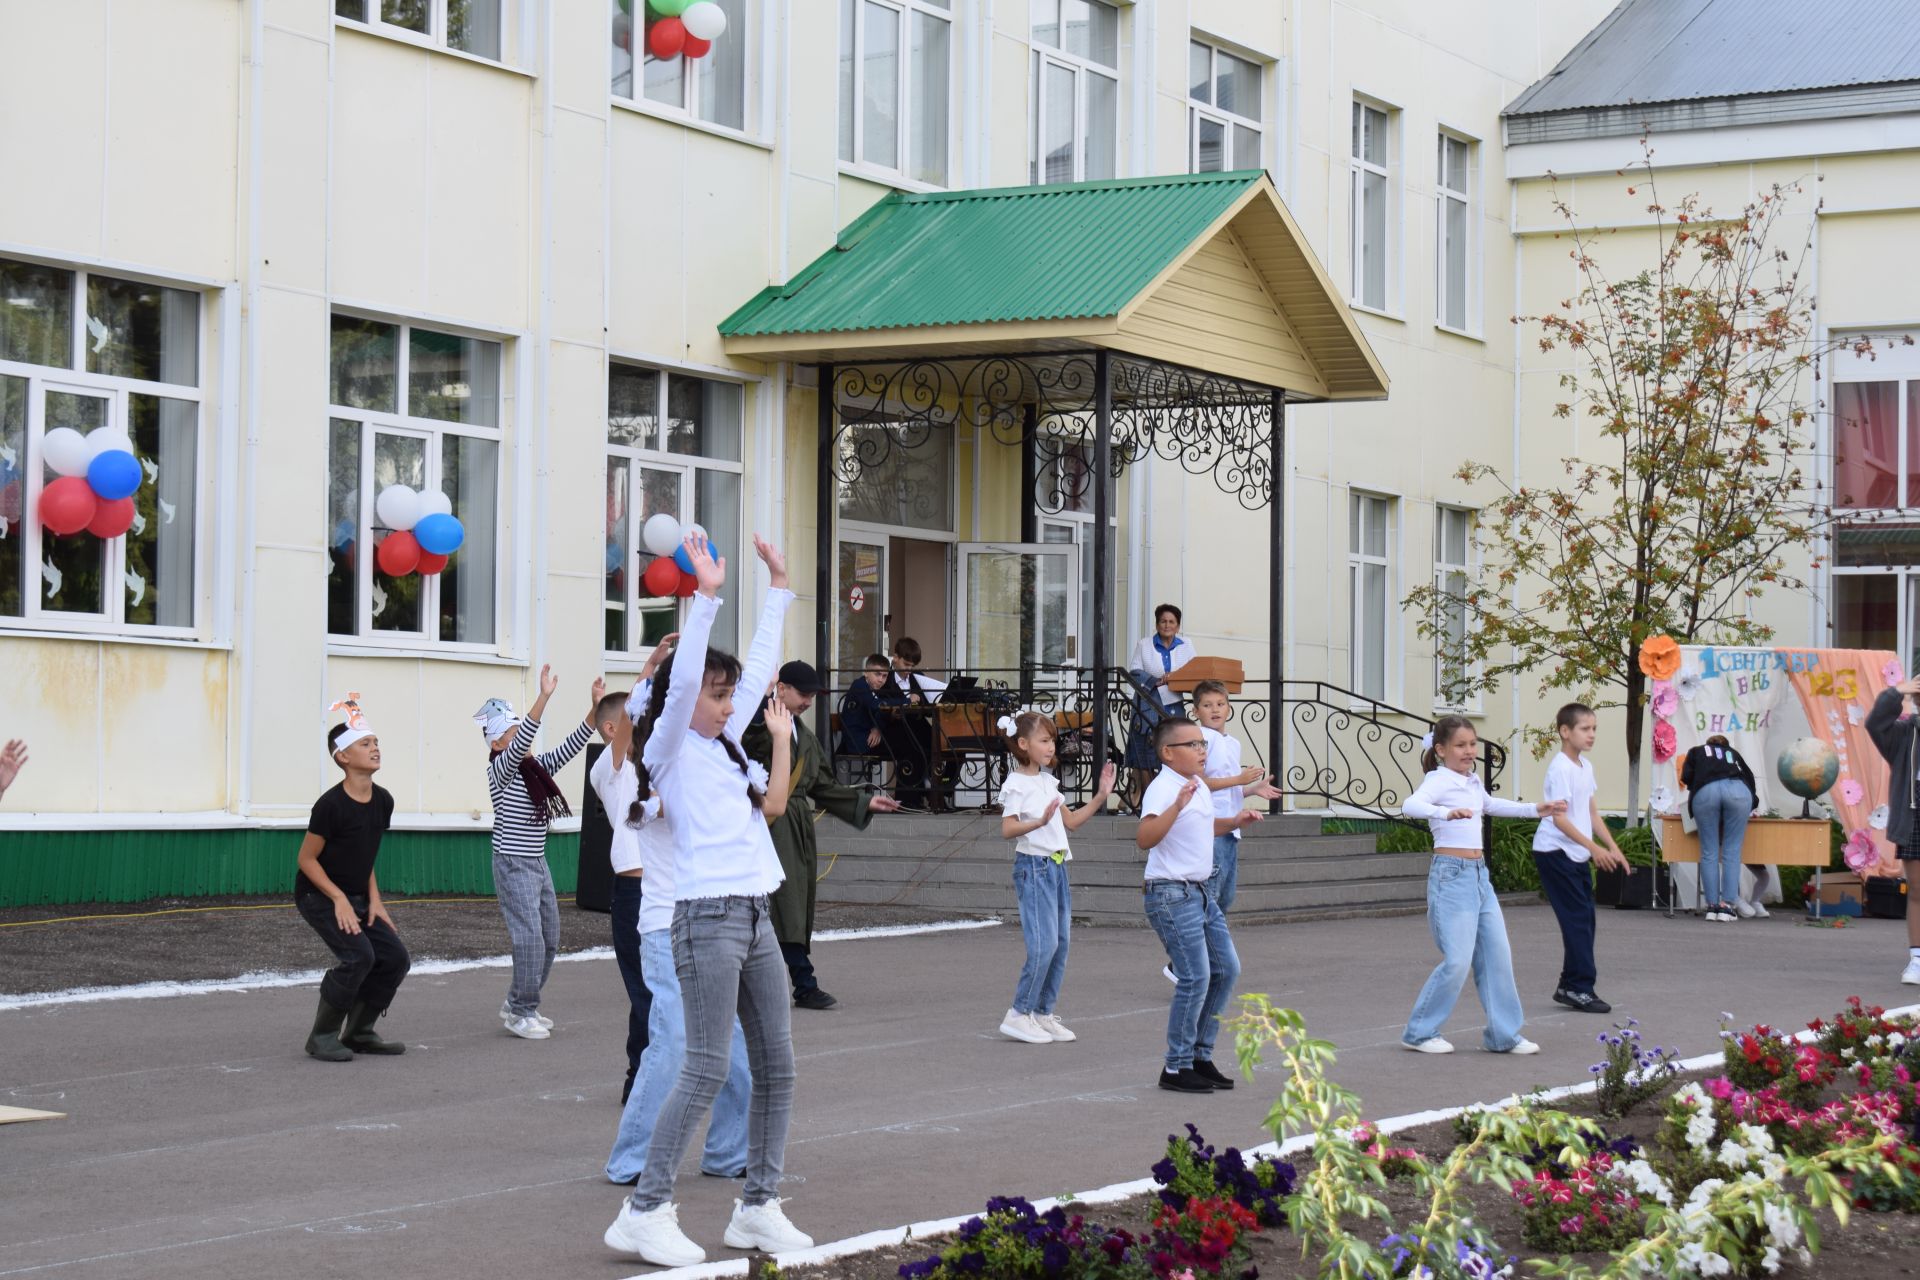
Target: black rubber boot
324, 1041
360, 1036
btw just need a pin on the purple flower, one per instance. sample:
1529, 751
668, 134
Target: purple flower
919, 1270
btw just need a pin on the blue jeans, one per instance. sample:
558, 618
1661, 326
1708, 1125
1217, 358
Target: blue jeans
625, 918
1200, 949
1225, 880
1463, 913
660, 1066
1721, 809
1046, 917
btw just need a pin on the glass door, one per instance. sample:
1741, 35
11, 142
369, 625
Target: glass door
860, 606
1019, 606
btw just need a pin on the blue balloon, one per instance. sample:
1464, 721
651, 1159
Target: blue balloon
114, 474
685, 561
439, 534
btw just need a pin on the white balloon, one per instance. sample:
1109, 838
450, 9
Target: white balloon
433, 502
660, 535
107, 440
398, 507
65, 450
705, 20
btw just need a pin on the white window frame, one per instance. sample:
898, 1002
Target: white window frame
1467, 195
686, 111
1044, 55
1390, 302
906, 104
1196, 109
115, 390
1900, 366
686, 465
1390, 637
435, 36
430, 430
1442, 567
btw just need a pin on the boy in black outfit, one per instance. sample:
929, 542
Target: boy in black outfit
336, 893
1896, 733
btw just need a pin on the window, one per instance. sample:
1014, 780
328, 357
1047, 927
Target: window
1370, 201
471, 26
415, 407
1370, 537
1067, 483
1223, 111
96, 353
673, 448
1876, 488
893, 110
1452, 567
1456, 284
906, 475
1076, 91
711, 87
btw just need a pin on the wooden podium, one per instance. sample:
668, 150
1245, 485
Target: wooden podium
1227, 671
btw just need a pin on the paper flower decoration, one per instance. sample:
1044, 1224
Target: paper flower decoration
1854, 714
757, 775
1878, 818
1664, 701
1851, 792
1688, 685
1663, 799
1660, 657
1663, 742
1892, 673
1859, 852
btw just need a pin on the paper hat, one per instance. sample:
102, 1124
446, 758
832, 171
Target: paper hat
357, 727
495, 717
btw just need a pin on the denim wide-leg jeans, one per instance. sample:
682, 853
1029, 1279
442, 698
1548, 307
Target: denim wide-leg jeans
1046, 918
1463, 913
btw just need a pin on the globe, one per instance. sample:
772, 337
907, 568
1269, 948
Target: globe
1808, 768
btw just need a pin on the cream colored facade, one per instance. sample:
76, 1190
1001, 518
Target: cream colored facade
288, 166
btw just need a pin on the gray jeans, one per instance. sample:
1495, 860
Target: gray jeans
728, 961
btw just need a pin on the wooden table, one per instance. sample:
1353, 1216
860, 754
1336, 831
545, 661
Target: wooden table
1773, 842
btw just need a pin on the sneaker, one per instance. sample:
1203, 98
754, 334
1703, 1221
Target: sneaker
1021, 1026
813, 998
1185, 1080
1432, 1044
764, 1227
529, 1028
1582, 1001
1746, 909
1521, 1046
654, 1235
1166, 971
506, 1015
1204, 1067
1911, 976
1760, 910
1052, 1025
1714, 917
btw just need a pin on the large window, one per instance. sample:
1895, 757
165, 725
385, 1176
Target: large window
1075, 91
711, 87
1370, 203
117, 361
906, 476
1370, 539
896, 69
1067, 483
415, 407
471, 26
1223, 111
1876, 488
673, 448
1456, 282
1452, 570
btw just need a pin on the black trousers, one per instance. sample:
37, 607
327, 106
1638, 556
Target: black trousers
799, 966
626, 952
371, 963
1569, 889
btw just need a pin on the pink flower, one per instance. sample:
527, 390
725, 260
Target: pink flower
1859, 853
1664, 742
1664, 701
1851, 792
1892, 673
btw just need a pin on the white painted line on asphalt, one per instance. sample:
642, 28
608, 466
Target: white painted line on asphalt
267, 981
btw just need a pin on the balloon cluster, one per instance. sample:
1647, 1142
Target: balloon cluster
675, 28
424, 531
98, 476
671, 572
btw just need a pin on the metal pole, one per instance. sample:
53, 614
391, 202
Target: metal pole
1102, 597
1277, 600
1029, 474
824, 504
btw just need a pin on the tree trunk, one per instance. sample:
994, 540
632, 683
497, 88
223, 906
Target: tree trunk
1636, 726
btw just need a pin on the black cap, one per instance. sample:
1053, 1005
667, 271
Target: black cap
800, 677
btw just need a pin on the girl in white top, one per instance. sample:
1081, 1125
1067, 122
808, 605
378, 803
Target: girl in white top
1035, 818
1463, 912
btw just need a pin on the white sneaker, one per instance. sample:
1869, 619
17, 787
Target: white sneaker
1746, 909
1048, 1023
1761, 911
1714, 917
1432, 1044
529, 1028
1166, 971
1911, 976
655, 1236
1522, 1046
764, 1227
506, 1015
1021, 1026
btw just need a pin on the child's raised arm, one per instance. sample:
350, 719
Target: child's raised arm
780, 774
555, 760
1077, 818
690, 663
763, 655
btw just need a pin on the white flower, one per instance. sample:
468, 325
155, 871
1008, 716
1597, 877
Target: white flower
1695, 1216
1756, 1138
1713, 1264
757, 775
1782, 1228
1878, 818
1733, 1155
1700, 1129
1770, 1261
1896, 1042
1642, 1177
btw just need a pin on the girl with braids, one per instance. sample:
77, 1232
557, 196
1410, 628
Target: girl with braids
1463, 912
724, 949
525, 798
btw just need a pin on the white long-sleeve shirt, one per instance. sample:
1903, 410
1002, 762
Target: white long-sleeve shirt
1446, 790
721, 844
1148, 660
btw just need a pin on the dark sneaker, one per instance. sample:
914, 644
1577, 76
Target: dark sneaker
1581, 1001
1204, 1067
1185, 1081
814, 998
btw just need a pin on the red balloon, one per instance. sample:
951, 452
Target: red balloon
667, 37
398, 554
695, 47
112, 518
68, 505
431, 564
688, 585
662, 577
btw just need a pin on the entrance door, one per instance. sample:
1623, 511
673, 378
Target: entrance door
1019, 607
860, 607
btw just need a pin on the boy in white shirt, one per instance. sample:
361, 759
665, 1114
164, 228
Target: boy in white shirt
1562, 848
1229, 782
1177, 831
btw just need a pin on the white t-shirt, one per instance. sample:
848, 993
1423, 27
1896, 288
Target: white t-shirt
616, 792
658, 853
1187, 851
1026, 796
1575, 784
1223, 761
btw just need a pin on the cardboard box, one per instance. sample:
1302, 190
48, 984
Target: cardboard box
1779, 842
1228, 671
1839, 887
